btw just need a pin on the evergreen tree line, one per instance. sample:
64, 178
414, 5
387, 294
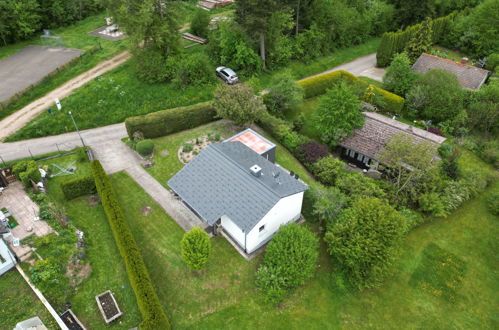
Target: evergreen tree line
21, 19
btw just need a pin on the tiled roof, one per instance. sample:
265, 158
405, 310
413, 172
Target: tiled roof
371, 138
253, 140
218, 182
469, 76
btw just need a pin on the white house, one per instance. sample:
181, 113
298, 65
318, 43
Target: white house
7, 259
236, 186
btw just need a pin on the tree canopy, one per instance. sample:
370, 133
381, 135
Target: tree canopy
238, 103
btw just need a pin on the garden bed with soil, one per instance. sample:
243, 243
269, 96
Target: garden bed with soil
193, 147
108, 306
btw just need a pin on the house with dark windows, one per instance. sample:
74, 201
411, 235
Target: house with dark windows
236, 187
469, 76
364, 145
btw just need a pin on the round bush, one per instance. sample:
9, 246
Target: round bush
145, 147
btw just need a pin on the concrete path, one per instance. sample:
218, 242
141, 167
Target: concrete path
363, 66
17, 120
67, 141
116, 156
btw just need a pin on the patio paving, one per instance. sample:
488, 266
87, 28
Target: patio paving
24, 210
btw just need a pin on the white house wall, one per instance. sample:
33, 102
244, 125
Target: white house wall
234, 231
7, 256
286, 210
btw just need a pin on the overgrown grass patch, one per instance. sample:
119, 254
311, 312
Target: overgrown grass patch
110, 99
439, 273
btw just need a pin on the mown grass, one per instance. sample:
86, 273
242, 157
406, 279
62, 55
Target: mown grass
224, 296
107, 267
19, 302
74, 36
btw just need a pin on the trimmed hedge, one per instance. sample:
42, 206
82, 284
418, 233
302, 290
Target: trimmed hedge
77, 187
169, 121
395, 42
153, 315
318, 85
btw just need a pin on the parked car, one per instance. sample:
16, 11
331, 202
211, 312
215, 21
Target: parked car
228, 75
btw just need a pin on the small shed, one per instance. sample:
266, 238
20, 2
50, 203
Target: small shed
7, 259
255, 142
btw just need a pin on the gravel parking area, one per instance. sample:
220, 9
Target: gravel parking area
29, 66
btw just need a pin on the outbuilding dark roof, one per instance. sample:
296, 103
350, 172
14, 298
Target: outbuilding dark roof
371, 138
219, 182
469, 76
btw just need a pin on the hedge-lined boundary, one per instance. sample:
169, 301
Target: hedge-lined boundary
395, 42
77, 187
154, 317
169, 121
318, 85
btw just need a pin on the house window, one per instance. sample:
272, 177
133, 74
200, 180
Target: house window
262, 228
360, 157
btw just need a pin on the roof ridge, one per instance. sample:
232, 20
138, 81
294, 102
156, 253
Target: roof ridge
242, 168
454, 62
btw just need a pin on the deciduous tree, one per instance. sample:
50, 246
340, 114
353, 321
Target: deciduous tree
238, 103
399, 76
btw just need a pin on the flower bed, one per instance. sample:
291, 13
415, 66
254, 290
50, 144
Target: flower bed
191, 148
108, 306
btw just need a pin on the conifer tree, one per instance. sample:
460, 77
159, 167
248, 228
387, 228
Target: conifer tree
420, 42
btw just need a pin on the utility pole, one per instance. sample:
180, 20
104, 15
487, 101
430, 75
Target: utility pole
77, 130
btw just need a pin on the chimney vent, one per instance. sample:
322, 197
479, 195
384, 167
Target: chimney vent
256, 170
464, 60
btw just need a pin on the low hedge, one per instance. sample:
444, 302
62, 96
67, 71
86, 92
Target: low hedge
77, 187
154, 317
169, 121
318, 85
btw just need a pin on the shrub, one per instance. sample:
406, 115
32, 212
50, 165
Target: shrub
238, 103
399, 75
200, 22
22, 166
433, 204
152, 66
284, 94
293, 140
277, 127
81, 154
170, 121
317, 85
329, 204
492, 62
365, 240
187, 147
145, 147
77, 187
313, 151
153, 315
356, 184
27, 171
290, 259
194, 70
195, 248
493, 202
328, 169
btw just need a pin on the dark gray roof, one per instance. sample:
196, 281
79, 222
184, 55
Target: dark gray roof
218, 182
377, 131
469, 76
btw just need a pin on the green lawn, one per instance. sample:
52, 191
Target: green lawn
19, 302
74, 36
107, 267
446, 276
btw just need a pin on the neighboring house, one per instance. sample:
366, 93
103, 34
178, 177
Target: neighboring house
469, 76
229, 185
363, 146
7, 259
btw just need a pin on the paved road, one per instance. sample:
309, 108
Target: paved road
20, 118
40, 146
362, 66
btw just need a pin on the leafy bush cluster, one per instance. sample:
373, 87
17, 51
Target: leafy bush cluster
169, 121
493, 202
290, 259
27, 171
154, 317
77, 187
238, 103
318, 85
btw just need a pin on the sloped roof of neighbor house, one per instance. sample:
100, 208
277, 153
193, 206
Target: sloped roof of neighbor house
371, 138
219, 182
469, 76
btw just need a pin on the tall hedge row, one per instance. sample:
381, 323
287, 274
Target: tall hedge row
318, 85
169, 121
153, 315
77, 187
395, 42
